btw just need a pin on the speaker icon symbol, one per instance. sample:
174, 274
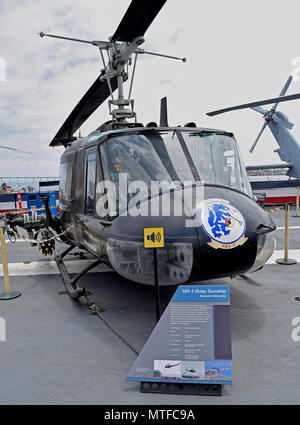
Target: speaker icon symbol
154, 237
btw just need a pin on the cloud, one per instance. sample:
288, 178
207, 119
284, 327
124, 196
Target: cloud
164, 82
175, 37
227, 64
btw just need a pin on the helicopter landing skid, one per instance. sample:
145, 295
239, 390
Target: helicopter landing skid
71, 283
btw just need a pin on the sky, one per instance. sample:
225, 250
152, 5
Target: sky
236, 52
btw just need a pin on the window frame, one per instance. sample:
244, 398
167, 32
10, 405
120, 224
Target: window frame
66, 199
89, 152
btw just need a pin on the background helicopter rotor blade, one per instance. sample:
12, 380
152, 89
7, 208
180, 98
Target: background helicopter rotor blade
93, 98
14, 149
137, 19
283, 91
254, 104
258, 137
259, 110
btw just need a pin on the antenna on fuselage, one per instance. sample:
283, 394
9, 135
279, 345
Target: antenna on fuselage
163, 113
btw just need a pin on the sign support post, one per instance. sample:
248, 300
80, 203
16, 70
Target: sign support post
286, 260
154, 238
297, 202
157, 292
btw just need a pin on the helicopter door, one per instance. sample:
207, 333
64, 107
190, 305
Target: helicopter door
90, 185
91, 227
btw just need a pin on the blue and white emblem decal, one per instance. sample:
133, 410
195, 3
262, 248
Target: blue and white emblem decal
223, 223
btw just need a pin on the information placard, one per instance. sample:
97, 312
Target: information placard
192, 341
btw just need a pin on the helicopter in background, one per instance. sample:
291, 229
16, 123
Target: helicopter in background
220, 231
278, 123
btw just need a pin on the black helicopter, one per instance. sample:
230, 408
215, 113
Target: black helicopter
221, 231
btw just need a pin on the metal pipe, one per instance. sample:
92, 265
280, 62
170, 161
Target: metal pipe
120, 85
107, 78
156, 283
286, 231
161, 55
286, 260
133, 72
97, 43
4, 262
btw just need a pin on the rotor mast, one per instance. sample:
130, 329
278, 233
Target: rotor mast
119, 55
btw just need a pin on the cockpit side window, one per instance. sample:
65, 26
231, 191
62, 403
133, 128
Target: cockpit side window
135, 158
65, 180
91, 169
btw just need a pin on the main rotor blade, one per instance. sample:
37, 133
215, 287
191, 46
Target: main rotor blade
17, 150
287, 85
93, 98
137, 19
258, 137
283, 91
269, 166
260, 110
253, 104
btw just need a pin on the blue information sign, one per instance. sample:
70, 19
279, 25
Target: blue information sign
192, 341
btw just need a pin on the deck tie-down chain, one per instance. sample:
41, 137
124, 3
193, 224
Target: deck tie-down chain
94, 309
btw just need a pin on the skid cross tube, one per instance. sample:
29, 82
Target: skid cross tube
71, 285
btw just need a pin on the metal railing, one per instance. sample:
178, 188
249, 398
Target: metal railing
20, 183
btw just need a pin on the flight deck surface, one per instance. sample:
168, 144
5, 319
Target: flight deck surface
57, 353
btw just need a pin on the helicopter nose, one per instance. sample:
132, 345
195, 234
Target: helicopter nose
228, 235
128, 256
234, 236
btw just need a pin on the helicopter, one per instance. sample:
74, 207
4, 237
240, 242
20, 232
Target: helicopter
216, 370
170, 365
191, 370
212, 225
278, 123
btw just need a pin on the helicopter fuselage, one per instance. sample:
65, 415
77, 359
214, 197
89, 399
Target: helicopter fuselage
212, 225
289, 147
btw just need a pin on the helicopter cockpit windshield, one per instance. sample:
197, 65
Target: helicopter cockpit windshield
175, 157
217, 160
